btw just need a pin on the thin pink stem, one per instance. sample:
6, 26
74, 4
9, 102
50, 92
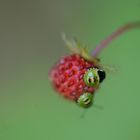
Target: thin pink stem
113, 36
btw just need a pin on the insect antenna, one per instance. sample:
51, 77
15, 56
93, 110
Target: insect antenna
98, 106
113, 36
83, 113
85, 110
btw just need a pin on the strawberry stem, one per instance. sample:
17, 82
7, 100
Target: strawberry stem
113, 36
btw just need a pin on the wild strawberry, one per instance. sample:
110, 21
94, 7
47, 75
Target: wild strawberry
76, 78
67, 76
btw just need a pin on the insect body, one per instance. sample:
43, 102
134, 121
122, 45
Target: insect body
79, 75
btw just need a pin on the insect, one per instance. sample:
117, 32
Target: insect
79, 75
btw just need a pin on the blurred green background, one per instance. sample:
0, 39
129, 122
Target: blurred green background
30, 43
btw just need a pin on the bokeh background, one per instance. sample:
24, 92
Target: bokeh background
30, 43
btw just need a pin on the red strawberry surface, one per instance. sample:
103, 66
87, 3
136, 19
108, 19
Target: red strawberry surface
67, 76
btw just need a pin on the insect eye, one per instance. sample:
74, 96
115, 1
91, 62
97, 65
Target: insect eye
90, 80
86, 101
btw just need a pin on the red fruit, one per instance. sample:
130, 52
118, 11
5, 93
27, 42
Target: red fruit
67, 76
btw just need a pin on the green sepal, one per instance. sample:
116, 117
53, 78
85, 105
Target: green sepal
77, 48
